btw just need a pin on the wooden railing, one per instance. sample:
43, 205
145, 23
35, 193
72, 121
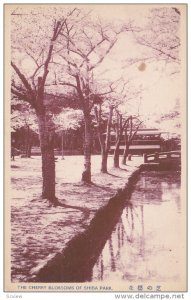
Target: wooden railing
159, 157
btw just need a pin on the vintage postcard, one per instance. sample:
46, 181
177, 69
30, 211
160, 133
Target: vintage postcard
95, 148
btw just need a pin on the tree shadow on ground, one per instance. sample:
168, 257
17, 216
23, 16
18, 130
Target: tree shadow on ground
108, 189
113, 175
76, 261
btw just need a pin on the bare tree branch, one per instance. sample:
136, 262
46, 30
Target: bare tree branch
68, 61
104, 55
21, 96
75, 50
160, 50
22, 78
55, 35
57, 30
37, 69
92, 49
31, 56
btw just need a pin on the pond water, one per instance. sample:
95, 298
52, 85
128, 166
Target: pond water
145, 243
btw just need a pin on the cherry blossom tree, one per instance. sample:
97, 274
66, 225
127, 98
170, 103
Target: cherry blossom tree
33, 36
83, 47
104, 111
128, 104
159, 39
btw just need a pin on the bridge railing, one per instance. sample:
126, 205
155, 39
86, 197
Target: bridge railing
158, 157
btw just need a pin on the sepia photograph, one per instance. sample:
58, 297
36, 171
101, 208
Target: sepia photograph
95, 148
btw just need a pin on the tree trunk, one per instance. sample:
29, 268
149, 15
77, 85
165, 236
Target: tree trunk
62, 146
28, 153
129, 156
106, 145
104, 155
124, 158
29, 143
125, 154
119, 132
128, 141
48, 160
86, 175
27, 147
27, 140
116, 155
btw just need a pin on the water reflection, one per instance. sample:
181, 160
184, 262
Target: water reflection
144, 244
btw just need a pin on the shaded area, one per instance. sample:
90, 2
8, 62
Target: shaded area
76, 262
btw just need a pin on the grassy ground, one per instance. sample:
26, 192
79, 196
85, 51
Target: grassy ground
38, 230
